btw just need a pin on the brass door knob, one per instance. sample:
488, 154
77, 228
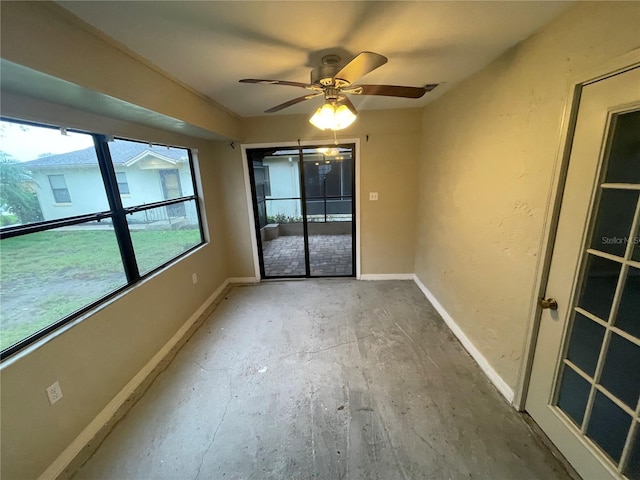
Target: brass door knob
549, 303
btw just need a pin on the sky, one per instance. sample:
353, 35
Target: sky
26, 142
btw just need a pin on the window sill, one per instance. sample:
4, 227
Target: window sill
65, 204
125, 195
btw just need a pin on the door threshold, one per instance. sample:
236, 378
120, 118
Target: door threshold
301, 279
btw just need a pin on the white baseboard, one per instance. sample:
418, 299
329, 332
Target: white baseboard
480, 359
387, 276
243, 280
66, 457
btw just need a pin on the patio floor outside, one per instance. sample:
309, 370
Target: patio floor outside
329, 255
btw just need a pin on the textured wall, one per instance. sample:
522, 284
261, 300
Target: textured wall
488, 148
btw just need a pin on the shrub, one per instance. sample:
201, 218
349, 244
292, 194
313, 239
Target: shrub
16, 192
282, 218
9, 219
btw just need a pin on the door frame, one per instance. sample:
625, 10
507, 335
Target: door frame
301, 143
554, 201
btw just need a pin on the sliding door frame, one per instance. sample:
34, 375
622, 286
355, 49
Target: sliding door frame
295, 144
303, 207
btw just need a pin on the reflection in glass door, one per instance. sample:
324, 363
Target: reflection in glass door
304, 210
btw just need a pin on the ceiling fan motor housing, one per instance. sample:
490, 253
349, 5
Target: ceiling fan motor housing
324, 74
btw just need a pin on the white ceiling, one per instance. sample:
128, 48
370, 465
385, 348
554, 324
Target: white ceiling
210, 45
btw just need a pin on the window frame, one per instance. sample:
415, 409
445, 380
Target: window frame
118, 215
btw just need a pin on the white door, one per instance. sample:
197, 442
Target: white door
585, 381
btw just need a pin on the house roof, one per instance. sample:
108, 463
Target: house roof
122, 152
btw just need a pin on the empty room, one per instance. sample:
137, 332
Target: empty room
320, 240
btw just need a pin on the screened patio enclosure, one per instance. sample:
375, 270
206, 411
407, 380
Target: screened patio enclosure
304, 210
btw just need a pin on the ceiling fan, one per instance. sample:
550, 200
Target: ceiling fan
335, 81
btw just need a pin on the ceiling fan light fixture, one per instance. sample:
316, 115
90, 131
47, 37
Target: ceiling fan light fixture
344, 117
332, 117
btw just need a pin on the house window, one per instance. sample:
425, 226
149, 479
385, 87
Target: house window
59, 189
123, 186
67, 261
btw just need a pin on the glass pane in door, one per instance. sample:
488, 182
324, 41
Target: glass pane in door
608, 426
628, 318
632, 469
621, 371
283, 243
602, 347
328, 180
278, 211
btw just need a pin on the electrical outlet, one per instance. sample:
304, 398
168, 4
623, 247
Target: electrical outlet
373, 196
54, 392
194, 278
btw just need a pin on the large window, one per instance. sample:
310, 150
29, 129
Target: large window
74, 231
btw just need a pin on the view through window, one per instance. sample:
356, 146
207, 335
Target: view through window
82, 218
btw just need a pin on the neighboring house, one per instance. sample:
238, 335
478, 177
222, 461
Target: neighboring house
70, 184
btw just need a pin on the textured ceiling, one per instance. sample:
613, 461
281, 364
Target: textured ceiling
210, 45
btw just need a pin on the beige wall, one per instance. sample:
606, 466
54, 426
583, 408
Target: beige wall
47, 38
474, 169
95, 358
488, 149
234, 201
388, 165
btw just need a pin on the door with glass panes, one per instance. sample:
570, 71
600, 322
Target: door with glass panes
585, 382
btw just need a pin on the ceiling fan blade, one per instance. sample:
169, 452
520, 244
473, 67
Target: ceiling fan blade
350, 106
274, 82
391, 90
284, 105
363, 63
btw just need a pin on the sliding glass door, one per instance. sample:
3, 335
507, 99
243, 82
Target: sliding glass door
328, 179
304, 210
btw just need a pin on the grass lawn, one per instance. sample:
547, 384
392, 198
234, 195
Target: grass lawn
48, 275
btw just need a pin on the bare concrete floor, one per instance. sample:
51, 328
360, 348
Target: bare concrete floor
323, 379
